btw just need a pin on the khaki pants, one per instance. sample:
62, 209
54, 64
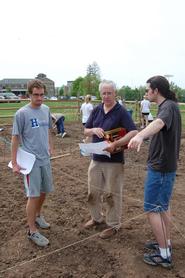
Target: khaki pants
104, 177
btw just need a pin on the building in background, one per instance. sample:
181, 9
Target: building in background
14, 85
18, 86
50, 85
69, 85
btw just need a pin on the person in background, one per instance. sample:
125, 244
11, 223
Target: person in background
105, 174
86, 109
162, 164
31, 130
150, 118
145, 111
58, 120
119, 100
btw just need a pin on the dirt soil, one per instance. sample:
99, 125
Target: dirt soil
74, 252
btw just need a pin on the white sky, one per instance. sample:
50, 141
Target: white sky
131, 40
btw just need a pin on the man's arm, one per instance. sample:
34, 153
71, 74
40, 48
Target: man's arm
50, 143
122, 141
14, 147
151, 129
98, 131
141, 106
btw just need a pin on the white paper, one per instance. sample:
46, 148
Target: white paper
24, 160
94, 148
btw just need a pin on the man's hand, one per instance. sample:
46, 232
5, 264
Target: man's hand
111, 147
98, 131
135, 142
51, 151
17, 168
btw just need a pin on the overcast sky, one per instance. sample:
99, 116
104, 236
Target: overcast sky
131, 40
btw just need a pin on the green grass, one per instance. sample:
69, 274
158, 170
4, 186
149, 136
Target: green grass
73, 113
51, 104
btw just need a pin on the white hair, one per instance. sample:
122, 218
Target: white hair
107, 82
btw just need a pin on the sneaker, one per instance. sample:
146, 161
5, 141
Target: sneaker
41, 222
38, 239
153, 245
155, 259
59, 135
64, 134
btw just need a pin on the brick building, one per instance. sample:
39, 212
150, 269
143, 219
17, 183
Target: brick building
19, 85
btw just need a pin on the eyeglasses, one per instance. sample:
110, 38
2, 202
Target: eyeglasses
107, 93
38, 95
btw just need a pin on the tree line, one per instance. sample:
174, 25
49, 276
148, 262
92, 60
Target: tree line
90, 83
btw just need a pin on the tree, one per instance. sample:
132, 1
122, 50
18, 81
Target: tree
132, 94
93, 69
142, 91
90, 85
180, 93
127, 91
121, 93
61, 91
92, 80
77, 88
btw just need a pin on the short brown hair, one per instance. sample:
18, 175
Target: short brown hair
35, 83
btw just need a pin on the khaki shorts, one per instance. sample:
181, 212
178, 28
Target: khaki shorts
39, 180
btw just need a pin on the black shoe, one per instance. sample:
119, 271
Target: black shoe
155, 259
153, 245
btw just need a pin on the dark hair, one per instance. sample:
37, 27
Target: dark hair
35, 83
163, 86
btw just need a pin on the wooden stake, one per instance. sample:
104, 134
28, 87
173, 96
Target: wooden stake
59, 156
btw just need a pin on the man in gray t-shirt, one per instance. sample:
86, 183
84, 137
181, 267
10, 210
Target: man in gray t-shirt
31, 130
162, 164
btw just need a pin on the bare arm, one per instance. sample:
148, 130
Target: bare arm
94, 131
122, 141
151, 129
50, 143
141, 107
14, 148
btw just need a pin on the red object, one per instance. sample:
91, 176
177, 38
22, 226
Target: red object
114, 135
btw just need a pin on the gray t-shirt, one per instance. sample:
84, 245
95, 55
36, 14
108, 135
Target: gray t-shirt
32, 124
165, 145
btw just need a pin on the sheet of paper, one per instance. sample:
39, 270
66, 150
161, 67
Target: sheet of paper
94, 148
25, 160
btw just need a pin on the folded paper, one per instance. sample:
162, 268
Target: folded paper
25, 160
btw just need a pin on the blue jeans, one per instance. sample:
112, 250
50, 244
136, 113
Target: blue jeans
158, 190
60, 125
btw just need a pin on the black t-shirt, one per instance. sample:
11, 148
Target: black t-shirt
165, 145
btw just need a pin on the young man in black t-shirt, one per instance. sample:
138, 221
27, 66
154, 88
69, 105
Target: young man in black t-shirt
162, 164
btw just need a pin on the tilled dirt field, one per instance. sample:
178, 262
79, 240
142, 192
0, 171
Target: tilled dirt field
74, 252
